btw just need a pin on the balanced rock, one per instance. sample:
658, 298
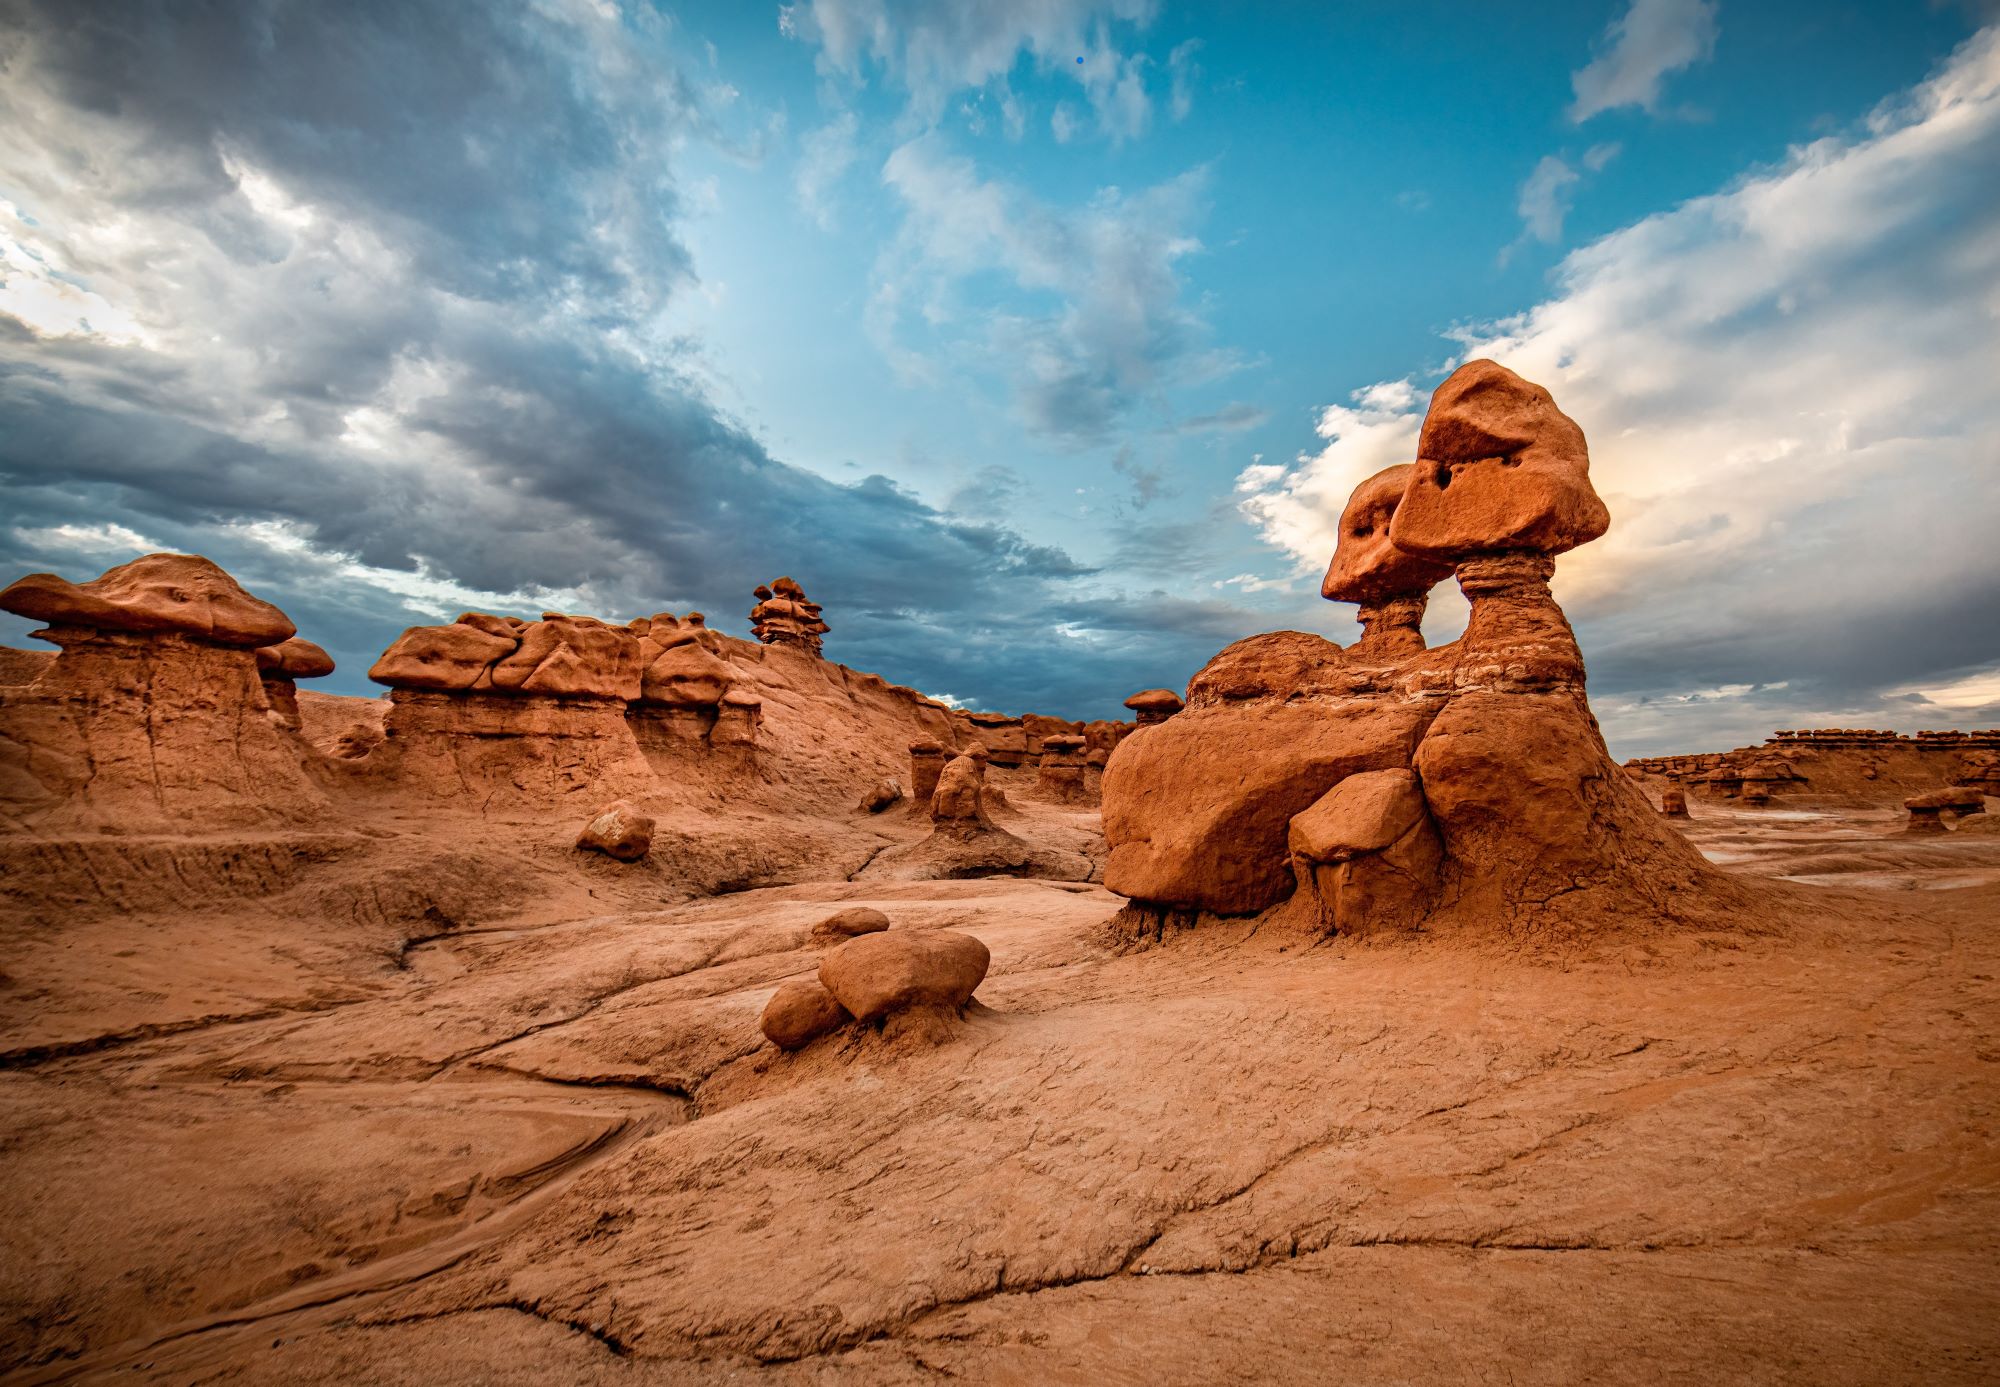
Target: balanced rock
799, 1013
159, 594
1152, 706
879, 973
783, 616
281, 666
618, 830
1499, 469
1390, 586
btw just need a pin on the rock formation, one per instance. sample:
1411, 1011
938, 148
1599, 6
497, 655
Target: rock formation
846, 924
1060, 776
1152, 706
800, 1012
531, 710
154, 715
1674, 802
1387, 785
1931, 811
927, 760
875, 974
280, 667
882, 794
618, 830
783, 616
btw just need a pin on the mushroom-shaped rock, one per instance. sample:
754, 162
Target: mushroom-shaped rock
738, 718
618, 830
1366, 566
296, 658
879, 973
1060, 775
855, 920
280, 666
1499, 468
160, 594
1154, 705
801, 1012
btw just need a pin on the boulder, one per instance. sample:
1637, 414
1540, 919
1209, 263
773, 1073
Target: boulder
618, 830
882, 794
879, 973
799, 1013
1499, 469
159, 594
855, 920
1276, 664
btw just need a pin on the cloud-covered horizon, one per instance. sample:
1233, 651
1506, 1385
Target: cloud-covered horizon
400, 309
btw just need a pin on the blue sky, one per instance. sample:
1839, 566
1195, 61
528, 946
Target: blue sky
1046, 377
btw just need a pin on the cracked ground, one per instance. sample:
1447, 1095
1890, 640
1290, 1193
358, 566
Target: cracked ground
532, 1134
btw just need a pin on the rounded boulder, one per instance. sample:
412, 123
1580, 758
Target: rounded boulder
879, 973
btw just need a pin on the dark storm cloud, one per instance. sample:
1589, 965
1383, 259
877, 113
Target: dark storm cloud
387, 278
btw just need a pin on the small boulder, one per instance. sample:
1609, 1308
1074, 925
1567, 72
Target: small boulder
618, 830
846, 924
882, 794
801, 1012
880, 973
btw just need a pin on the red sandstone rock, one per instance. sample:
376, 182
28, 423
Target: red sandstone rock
160, 594
618, 830
853, 921
783, 616
882, 794
801, 1012
296, 658
1274, 665
1367, 853
1154, 705
1366, 567
1674, 802
1498, 468
876, 974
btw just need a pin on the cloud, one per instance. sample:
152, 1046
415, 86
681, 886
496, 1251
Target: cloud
937, 50
1238, 416
1103, 328
376, 307
1182, 70
1545, 198
1787, 387
825, 156
1653, 39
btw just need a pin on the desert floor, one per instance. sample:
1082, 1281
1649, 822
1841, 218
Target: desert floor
266, 1120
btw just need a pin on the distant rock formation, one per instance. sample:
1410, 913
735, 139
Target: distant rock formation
154, 715
783, 616
1061, 773
531, 710
1152, 706
1387, 786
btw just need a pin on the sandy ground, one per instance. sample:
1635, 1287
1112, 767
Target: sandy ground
383, 1107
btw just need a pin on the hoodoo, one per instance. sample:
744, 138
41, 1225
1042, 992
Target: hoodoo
1391, 786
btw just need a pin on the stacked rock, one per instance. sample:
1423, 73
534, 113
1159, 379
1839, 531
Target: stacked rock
783, 616
1151, 706
873, 974
280, 667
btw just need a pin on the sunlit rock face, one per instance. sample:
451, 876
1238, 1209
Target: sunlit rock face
1390, 786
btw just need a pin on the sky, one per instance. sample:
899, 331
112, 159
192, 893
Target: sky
1041, 340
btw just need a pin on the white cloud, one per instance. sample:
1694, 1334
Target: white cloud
1545, 198
1181, 71
1788, 389
825, 156
1652, 39
94, 540
1094, 323
937, 50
